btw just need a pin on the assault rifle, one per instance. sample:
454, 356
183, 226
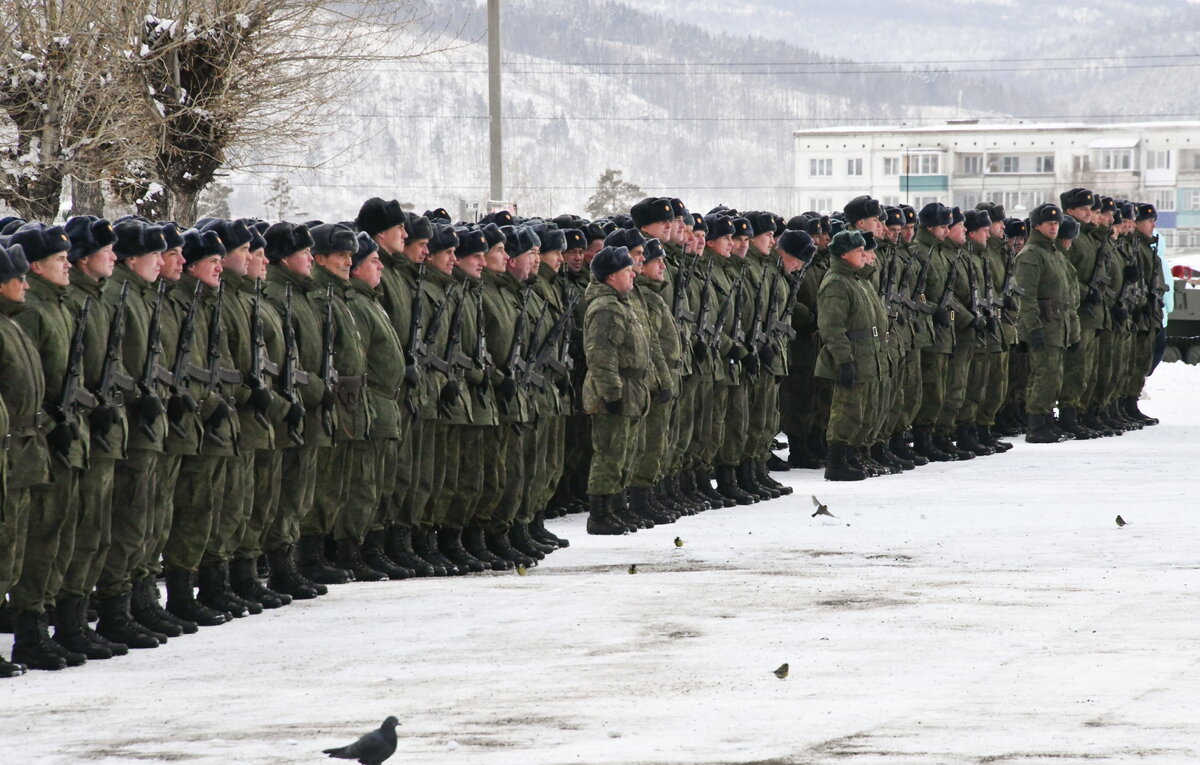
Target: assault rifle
260, 364
757, 334
214, 374
1010, 275
152, 371
292, 375
516, 367
482, 358
327, 371
1100, 280
457, 362
183, 369
75, 395
548, 357
948, 301
112, 379
416, 345
917, 298
427, 359
781, 326
732, 302
704, 328
679, 304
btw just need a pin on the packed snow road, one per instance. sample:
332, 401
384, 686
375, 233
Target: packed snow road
989, 611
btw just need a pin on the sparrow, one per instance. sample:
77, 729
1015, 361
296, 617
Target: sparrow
521, 570
821, 509
782, 672
678, 542
1120, 521
633, 568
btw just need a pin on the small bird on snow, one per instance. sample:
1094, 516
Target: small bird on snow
371, 749
1120, 521
821, 509
782, 672
678, 542
521, 570
633, 568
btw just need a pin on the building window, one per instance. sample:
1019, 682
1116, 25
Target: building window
820, 204
1080, 163
1114, 159
919, 202
1162, 199
972, 164
1004, 164
1191, 200
922, 164
820, 167
1158, 160
854, 167
1045, 163
966, 199
891, 165
890, 201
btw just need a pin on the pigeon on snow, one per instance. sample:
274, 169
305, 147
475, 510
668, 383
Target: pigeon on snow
371, 749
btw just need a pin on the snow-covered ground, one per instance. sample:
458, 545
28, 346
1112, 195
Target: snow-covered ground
988, 611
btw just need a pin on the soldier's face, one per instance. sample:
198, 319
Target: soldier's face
472, 265
699, 241
521, 266
764, 241
741, 246
996, 230
392, 239
1145, 227
791, 264
552, 258
299, 262
235, 260
660, 230
98, 265
147, 266
171, 267
957, 233
621, 281
496, 259
655, 269
54, 269
639, 257
1049, 229
1081, 214
443, 260
336, 263
370, 271
938, 232
892, 233
208, 271
256, 264
574, 259
679, 231
594, 246
979, 236
417, 250
856, 258
722, 245
14, 289
908, 233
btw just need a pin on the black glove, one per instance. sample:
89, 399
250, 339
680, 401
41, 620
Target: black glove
218, 417
150, 408
847, 375
176, 409
977, 323
450, 392
260, 400
750, 362
412, 376
1073, 347
1010, 303
663, 397
766, 355
507, 387
327, 398
700, 351
1092, 297
941, 317
103, 418
1037, 339
613, 407
1119, 313
1022, 346
991, 324
1131, 273
294, 416
60, 438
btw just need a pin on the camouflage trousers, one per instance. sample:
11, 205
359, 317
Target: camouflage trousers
14, 518
237, 505
614, 449
736, 425
199, 496
934, 370
135, 482
763, 416
295, 496
1045, 380
268, 478
652, 454
847, 411
493, 459
366, 468
49, 541
1079, 368
158, 528
1137, 368
466, 479
958, 373
93, 528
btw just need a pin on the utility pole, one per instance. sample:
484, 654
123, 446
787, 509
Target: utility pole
495, 136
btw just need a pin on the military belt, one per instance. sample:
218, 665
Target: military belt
633, 374
863, 334
389, 392
27, 422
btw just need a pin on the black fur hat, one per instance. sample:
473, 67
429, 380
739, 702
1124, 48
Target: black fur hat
366, 246
13, 264
700, 224
760, 222
40, 241
518, 240
609, 261
1075, 198
718, 225
1045, 213
910, 215
500, 217
171, 235
1014, 228
88, 234
935, 214
653, 250
652, 210
629, 238
134, 238
419, 227
1069, 228
894, 216
976, 219
233, 233
493, 234
438, 215
443, 238
1146, 211
284, 239
552, 237
845, 241
861, 208
471, 242
798, 244
575, 240
377, 215
198, 245
333, 237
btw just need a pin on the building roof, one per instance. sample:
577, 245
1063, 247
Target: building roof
973, 126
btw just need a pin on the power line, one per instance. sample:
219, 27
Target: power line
1076, 66
841, 120
911, 62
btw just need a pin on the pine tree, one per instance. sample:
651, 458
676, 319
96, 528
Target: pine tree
613, 195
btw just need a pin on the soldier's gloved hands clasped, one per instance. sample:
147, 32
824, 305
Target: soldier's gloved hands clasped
750, 362
1037, 339
260, 400
218, 417
613, 407
941, 317
1092, 297
1010, 303
150, 407
847, 375
1131, 273
295, 415
1119, 314
60, 438
507, 387
700, 351
103, 418
766, 355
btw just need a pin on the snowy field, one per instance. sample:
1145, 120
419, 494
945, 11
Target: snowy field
980, 612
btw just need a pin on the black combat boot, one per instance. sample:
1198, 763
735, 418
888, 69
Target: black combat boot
244, 581
600, 522
429, 553
1054, 425
890, 456
374, 556
69, 633
1091, 418
715, 498
450, 543
1130, 406
117, 649
641, 509
839, 468
540, 533
285, 577
900, 448
400, 550
497, 541
1116, 413
116, 624
1068, 420
747, 481
518, 535
32, 645
1038, 430
728, 488
986, 436
923, 445
884, 459
433, 547
777, 464
967, 439
349, 557
801, 457
473, 541
860, 457
11, 669
148, 612
764, 477
310, 554
212, 590
942, 441
665, 496
181, 601
686, 481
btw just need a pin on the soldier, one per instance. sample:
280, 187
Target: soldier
956, 299
1047, 279
578, 449
344, 415
92, 259
615, 390
22, 388
935, 219
988, 342
1090, 261
850, 353
1148, 319
1005, 309
54, 506
1011, 420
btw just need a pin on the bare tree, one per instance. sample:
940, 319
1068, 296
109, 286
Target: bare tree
230, 83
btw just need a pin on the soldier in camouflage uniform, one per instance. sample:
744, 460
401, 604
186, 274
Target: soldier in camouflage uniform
930, 245
1148, 317
989, 343
1090, 256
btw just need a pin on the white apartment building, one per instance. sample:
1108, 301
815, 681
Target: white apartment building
965, 162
